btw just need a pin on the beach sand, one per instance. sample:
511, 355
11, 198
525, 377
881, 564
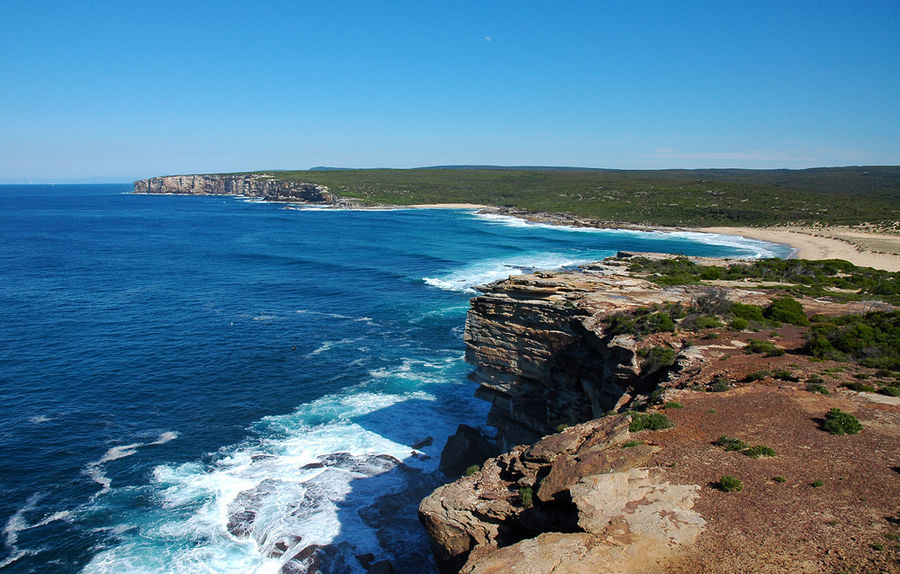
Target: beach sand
447, 206
860, 247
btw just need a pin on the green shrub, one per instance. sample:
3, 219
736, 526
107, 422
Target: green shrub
757, 376
758, 451
706, 322
787, 310
814, 379
817, 484
472, 469
720, 385
731, 444
877, 546
816, 388
748, 312
858, 387
838, 422
526, 495
779, 478
767, 347
651, 421
739, 324
730, 484
673, 405
785, 375
561, 427
890, 390
632, 443
861, 376
656, 358
872, 339
711, 273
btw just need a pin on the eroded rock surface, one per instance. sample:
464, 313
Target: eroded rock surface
543, 358
258, 185
557, 485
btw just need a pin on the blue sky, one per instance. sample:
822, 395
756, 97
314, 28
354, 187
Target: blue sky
123, 90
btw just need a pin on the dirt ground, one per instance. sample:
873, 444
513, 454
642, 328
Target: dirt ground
838, 507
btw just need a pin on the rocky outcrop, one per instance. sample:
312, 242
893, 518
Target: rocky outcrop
259, 185
573, 496
543, 357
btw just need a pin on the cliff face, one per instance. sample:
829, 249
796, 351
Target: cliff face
543, 358
252, 185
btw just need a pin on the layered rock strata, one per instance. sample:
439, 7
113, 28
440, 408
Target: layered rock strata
543, 357
258, 185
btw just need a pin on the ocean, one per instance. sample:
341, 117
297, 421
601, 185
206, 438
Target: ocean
213, 384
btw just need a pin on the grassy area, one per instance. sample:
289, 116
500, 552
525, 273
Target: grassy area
665, 197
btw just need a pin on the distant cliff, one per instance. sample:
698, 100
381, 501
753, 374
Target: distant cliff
258, 185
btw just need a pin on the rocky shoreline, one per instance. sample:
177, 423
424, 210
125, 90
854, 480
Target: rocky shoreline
581, 488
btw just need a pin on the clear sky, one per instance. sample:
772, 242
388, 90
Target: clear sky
121, 89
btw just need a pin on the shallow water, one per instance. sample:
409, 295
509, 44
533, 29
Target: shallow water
178, 373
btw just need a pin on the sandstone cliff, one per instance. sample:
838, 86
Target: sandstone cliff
258, 185
543, 357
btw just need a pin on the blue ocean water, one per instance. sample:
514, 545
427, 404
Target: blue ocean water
211, 384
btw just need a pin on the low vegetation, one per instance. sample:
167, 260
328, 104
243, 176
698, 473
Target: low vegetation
835, 278
846, 195
649, 421
838, 422
871, 339
730, 484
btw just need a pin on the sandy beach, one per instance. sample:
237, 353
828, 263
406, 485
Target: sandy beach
860, 247
447, 206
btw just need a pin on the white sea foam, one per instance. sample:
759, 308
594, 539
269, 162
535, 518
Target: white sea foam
751, 248
18, 522
478, 273
94, 469
36, 420
303, 481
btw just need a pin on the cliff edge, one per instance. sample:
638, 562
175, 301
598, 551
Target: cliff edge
259, 185
672, 415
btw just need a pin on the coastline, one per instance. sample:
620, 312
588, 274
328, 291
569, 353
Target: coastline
862, 248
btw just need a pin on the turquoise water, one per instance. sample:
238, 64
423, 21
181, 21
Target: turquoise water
211, 384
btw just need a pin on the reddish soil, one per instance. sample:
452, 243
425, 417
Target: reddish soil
849, 524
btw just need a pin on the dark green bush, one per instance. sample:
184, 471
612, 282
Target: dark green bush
656, 358
632, 443
649, 421
767, 347
731, 444
706, 322
739, 324
673, 405
785, 375
840, 423
779, 478
748, 312
817, 484
758, 451
872, 339
470, 470
858, 387
526, 495
719, 385
729, 484
757, 376
890, 390
787, 310
817, 388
